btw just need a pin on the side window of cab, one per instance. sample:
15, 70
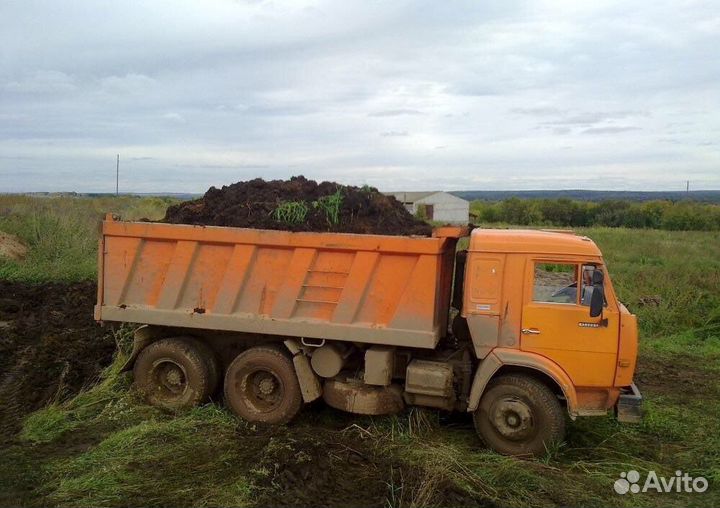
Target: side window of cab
556, 283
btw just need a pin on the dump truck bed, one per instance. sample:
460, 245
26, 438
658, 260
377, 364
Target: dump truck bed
377, 289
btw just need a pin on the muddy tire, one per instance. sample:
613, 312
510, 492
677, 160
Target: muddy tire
261, 386
212, 362
519, 415
176, 373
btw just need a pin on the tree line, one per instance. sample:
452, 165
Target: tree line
564, 212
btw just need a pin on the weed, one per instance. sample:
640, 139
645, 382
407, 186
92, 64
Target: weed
291, 212
331, 206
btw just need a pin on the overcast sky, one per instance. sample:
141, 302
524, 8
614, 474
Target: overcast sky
399, 95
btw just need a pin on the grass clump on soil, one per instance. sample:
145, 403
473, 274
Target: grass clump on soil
331, 206
295, 212
291, 212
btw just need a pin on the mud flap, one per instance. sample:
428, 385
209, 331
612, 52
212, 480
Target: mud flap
629, 405
309, 383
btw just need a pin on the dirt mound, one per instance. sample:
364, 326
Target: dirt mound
50, 346
299, 204
11, 247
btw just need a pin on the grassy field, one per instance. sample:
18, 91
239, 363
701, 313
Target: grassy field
105, 448
62, 232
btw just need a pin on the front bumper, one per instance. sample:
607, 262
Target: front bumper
629, 405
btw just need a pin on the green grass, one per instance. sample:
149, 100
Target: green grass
181, 461
62, 233
106, 448
291, 212
331, 206
676, 274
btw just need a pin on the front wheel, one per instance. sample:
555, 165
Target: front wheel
261, 386
519, 415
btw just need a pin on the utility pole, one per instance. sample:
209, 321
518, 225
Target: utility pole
687, 186
117, 176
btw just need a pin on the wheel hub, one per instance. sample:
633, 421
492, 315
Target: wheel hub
174, 376
170, 378
263, 389
513, 419
267, 385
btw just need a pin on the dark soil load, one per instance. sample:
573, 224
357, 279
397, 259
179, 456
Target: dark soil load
299, 204
50, 346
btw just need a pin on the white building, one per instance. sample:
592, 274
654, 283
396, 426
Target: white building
437, 205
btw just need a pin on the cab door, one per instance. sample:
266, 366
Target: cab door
556, 321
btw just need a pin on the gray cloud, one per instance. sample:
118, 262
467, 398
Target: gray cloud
517, 94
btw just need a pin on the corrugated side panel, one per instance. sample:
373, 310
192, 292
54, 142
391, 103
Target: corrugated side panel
347, 287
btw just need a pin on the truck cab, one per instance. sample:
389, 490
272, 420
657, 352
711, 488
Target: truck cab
541, 304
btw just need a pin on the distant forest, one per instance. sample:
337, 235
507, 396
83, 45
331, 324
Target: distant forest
566, 212
702, 196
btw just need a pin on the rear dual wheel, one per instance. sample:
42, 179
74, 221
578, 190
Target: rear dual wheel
176, 373
261, 386
182, 372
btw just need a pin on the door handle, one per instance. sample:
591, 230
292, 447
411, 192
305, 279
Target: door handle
530, 331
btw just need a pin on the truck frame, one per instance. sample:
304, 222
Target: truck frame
521, 329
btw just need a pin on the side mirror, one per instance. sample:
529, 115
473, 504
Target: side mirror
597, 299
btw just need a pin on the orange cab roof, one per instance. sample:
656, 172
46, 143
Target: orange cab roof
532, 241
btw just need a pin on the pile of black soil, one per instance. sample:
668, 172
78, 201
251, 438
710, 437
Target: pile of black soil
299, 204
50, 346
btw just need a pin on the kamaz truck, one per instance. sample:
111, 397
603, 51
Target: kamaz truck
522, 328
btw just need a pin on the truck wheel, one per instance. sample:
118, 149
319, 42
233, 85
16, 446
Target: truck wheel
211, 360
519, 415
261, 386
176, 373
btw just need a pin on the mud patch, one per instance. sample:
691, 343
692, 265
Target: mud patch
50, 346
671, 377
318, 466
11, 247
304, 205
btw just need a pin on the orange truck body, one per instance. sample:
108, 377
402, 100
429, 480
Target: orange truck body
388, 299
366, 288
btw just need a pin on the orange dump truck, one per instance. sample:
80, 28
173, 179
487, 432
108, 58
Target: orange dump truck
520, 329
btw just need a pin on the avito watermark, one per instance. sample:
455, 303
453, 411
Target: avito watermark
681, 482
